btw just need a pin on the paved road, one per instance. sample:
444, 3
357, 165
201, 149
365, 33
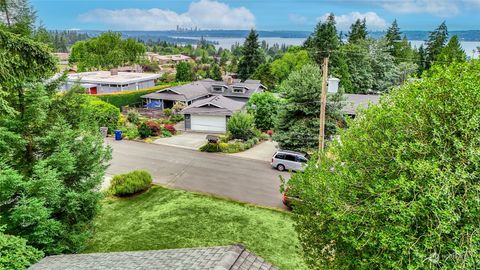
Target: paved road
240, 179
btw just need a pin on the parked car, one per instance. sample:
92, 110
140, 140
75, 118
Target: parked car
289, 160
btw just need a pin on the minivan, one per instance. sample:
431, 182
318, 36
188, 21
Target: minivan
289, 160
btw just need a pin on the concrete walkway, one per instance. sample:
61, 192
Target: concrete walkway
191, 141
262, 151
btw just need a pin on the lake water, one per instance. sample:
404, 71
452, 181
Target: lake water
468, 46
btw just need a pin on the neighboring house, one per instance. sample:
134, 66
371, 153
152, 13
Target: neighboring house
356, 101
103, 82
234, 257
204, 112
167, 59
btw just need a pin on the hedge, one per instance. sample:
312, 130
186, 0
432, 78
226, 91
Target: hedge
130, 183
130, 98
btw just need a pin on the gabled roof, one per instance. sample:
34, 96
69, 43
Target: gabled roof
356, 101
233, 257
217, 105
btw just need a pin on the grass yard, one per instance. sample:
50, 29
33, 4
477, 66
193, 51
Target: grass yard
164, 219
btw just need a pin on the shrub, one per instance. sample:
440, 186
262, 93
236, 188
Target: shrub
240, 126
210, 147
177, 118
130, 133
168, 112
400, 189
144, 130
170, 128
133, 117
154, 127
264, 107
15, 253
130, 183
105, 114
166, 133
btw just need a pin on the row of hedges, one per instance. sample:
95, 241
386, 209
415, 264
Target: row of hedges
130, 183
129, 98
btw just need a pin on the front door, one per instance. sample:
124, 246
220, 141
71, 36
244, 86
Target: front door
93, 91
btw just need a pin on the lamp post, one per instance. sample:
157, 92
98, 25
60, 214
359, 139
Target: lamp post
329, 85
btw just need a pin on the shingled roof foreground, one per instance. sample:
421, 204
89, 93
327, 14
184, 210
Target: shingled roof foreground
234, 257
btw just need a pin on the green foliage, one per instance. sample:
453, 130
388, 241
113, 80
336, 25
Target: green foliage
292, 60
452, 52
105, 114
130, 183
133, 117
435, 44
264, 107
264, 74
241, 125
16, 254
53, 156
144, 130
210, 148
130, 98
130, 132
166, 133
251, 56
168, 112
297, 124
358, 31
400, 189
17, 17
184, 72
106, 51
215, 73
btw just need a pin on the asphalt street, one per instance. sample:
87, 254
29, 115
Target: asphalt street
241, 179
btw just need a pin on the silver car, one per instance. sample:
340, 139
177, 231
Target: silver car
289, 160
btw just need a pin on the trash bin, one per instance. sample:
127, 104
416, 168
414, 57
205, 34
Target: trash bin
118, 135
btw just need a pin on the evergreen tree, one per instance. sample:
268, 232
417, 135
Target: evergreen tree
251, 56
358, 31
264, 74
53, 157
452, 52
17, 16
393, 34
435, 44
298, 122
422, 58
215, 73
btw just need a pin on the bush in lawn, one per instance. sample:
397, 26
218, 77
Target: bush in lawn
105, 114
144, 130
15, 253
154, 127
133, 117
211, 147
130, 183
240, 126
166, 133
401, 188
170, 128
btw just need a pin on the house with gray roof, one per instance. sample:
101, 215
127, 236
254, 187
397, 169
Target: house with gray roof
234, 257
357, 101
209, 103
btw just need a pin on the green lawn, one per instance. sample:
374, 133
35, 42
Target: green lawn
164, 218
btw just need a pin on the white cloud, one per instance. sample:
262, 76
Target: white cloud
435, 7
374, 22
205, 14
297, 19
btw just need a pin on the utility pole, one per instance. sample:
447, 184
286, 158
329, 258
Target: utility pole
323, 105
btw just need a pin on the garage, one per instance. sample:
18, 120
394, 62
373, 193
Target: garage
214, 123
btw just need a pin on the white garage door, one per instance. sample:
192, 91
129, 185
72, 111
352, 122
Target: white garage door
208, 123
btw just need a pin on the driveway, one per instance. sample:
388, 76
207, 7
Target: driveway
262, 151
185, 140
241, 179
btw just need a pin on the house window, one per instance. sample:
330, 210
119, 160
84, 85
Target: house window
217, 88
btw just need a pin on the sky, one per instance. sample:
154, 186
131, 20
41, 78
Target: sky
258, 14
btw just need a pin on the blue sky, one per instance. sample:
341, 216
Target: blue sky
261, 14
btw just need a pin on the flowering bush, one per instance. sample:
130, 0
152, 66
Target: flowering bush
154, 127
170, 128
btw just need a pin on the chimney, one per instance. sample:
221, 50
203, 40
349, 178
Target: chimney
113, 71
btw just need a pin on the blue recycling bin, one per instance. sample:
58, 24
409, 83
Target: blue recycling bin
118, 135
